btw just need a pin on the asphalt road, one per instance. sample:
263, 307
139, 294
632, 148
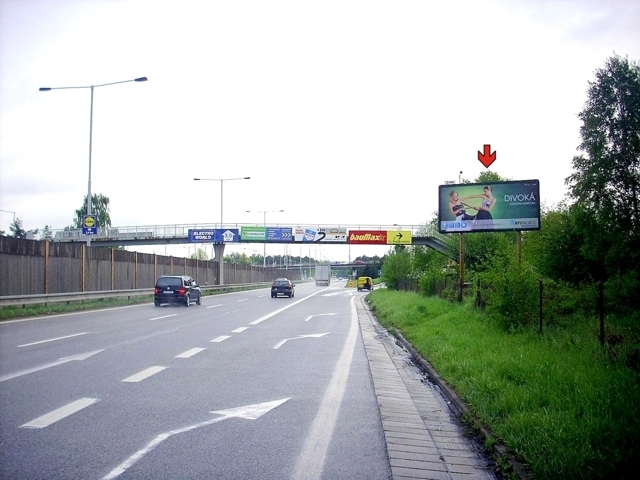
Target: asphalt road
241, 387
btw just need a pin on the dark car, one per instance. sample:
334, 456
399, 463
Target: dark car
180, 289
282, 286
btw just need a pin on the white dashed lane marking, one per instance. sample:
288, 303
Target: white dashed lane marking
190, 353
138, 377
219, 339
60, 413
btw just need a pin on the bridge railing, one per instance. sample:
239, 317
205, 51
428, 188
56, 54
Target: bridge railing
182, 230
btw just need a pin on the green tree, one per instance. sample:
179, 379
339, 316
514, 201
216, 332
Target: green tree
200, 254
99, 207
556, 249
397, 266
16, 229
46, 233
238, 258
606, 183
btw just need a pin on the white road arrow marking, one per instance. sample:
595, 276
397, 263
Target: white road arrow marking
319, 315
249, 412
315, 335
82, 356
52, 339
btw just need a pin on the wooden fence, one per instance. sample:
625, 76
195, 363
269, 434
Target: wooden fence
30, 267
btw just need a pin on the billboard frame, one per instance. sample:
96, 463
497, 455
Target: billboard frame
517, 202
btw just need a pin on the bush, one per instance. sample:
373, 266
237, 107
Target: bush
511, 293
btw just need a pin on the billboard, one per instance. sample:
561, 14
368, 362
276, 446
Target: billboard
489, 207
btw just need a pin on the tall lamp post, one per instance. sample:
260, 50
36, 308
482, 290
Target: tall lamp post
92, 87
264, 224
221, 180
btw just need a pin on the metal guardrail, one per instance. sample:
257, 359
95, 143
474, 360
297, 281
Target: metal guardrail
47, 298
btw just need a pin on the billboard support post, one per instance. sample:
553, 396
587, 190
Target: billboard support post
519, 244
461, 266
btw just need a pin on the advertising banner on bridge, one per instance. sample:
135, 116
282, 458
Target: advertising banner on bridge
266, 234
214, 235
320, 234
369, 237
489, 207
399, 237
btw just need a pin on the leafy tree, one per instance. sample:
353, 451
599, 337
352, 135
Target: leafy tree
556, 249
397, 266
200, 254
16, 229
606, 182
46, 233
99, 207
238, 258
488, 176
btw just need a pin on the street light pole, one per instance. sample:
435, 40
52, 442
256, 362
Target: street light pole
222, 180
92, 87
264, 224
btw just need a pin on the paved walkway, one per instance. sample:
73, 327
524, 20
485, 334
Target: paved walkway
424, 439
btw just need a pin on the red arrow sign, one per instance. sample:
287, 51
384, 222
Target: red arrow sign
487, 158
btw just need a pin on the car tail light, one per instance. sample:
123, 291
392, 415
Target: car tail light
182, 291
156, 291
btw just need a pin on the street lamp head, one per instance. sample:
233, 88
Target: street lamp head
196, 179
141, 79
246, 178
44, 89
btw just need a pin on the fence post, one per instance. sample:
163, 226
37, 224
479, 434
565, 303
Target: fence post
540, 281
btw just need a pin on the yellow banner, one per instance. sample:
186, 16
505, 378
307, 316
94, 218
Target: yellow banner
399, 237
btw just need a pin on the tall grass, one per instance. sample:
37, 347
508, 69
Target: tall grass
562, 404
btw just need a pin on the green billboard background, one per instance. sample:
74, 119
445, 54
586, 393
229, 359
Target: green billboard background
516, 207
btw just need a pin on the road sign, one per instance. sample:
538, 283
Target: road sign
89, 225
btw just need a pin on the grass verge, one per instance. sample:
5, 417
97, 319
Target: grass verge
558, 401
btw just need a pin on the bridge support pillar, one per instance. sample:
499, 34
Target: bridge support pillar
218, 249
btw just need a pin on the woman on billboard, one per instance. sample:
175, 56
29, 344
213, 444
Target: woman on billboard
456, 207
488, 201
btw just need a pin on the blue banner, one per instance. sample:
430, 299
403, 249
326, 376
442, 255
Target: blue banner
214, 235
279, 234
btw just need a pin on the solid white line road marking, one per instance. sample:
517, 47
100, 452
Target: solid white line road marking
144, 374
315, 335
219, 339
52, 339
60, 413
82, 356
190, 353
310, 463
319, 315
240, 330
248, 412
165, 316
213, 306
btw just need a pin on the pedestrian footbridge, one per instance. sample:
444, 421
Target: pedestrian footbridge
219, 235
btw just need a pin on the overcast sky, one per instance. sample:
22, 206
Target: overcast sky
341, 112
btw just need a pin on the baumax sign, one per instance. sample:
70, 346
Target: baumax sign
376, 237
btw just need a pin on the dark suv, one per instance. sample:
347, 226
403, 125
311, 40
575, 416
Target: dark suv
282, 286
177, 289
